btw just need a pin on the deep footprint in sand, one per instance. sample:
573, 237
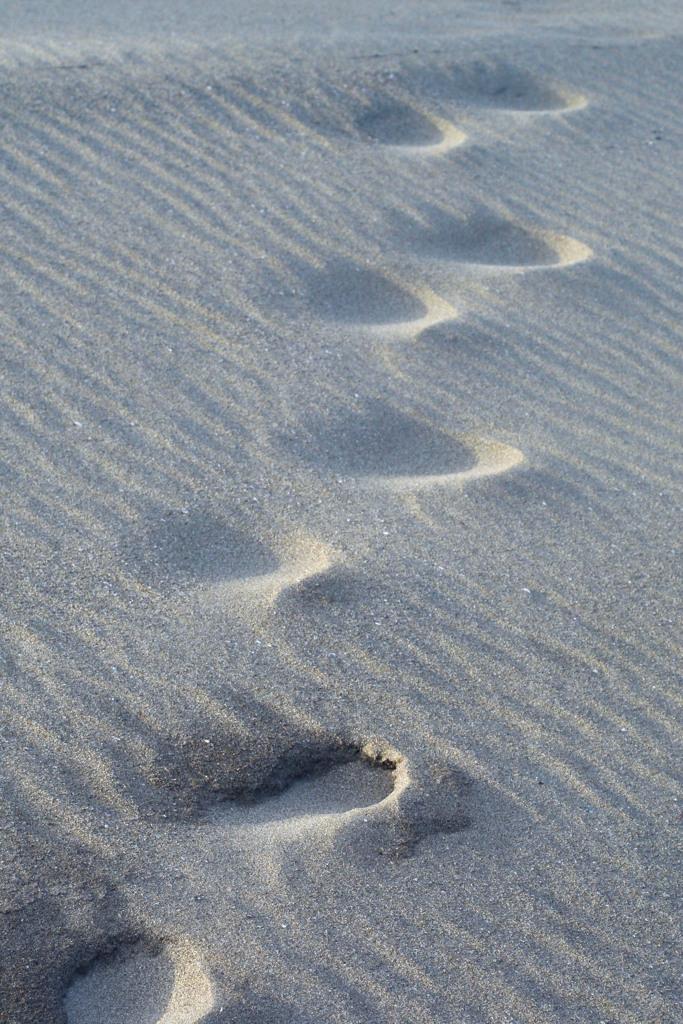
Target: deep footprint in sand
337, 789
494, 85
141, 982
386, 448
204, 558
388, 121
382, 442
238, 787
353, 293
346, 785
368, 794
181, 548
486, 239
360, 792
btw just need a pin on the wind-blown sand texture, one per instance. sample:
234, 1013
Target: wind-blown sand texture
341, 396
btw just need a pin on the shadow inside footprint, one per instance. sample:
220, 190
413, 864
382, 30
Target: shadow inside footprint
286, 773
335, 789
483, 238
179, 548
384, 442
346, 291
393, 123
139, 983
497, 85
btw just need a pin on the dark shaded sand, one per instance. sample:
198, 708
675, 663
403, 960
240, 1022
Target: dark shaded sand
388, 121
188, 546
483, 237
383, 442
489, 82
348, 292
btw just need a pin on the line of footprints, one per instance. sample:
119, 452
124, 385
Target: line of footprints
354, 790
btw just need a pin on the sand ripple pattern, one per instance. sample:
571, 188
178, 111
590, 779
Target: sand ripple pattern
321, 420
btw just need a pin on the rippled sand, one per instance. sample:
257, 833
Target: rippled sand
341, 401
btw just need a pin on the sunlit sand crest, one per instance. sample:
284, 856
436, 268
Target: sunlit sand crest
492, 458
303, 557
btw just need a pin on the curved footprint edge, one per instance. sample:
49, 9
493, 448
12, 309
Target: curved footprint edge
300, 558
490, 459
569, 250
568, 103
211, 780
485, 240
450, 137
161, 980
141, 978
430, 796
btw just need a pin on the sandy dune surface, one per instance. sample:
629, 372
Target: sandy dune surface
340, 384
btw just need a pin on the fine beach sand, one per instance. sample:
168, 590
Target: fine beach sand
341, 416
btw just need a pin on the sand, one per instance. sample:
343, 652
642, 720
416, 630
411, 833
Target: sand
340, 577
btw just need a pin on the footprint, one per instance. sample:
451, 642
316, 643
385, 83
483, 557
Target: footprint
393, 123
365, 795
390, 449
178, 548
261, 758
390, 122
495, 85
295, 776
352, 293
141, 982
347, 292
232, 786
486, 239
489, 458
301, 556
387, 120
383, 442
356, 784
